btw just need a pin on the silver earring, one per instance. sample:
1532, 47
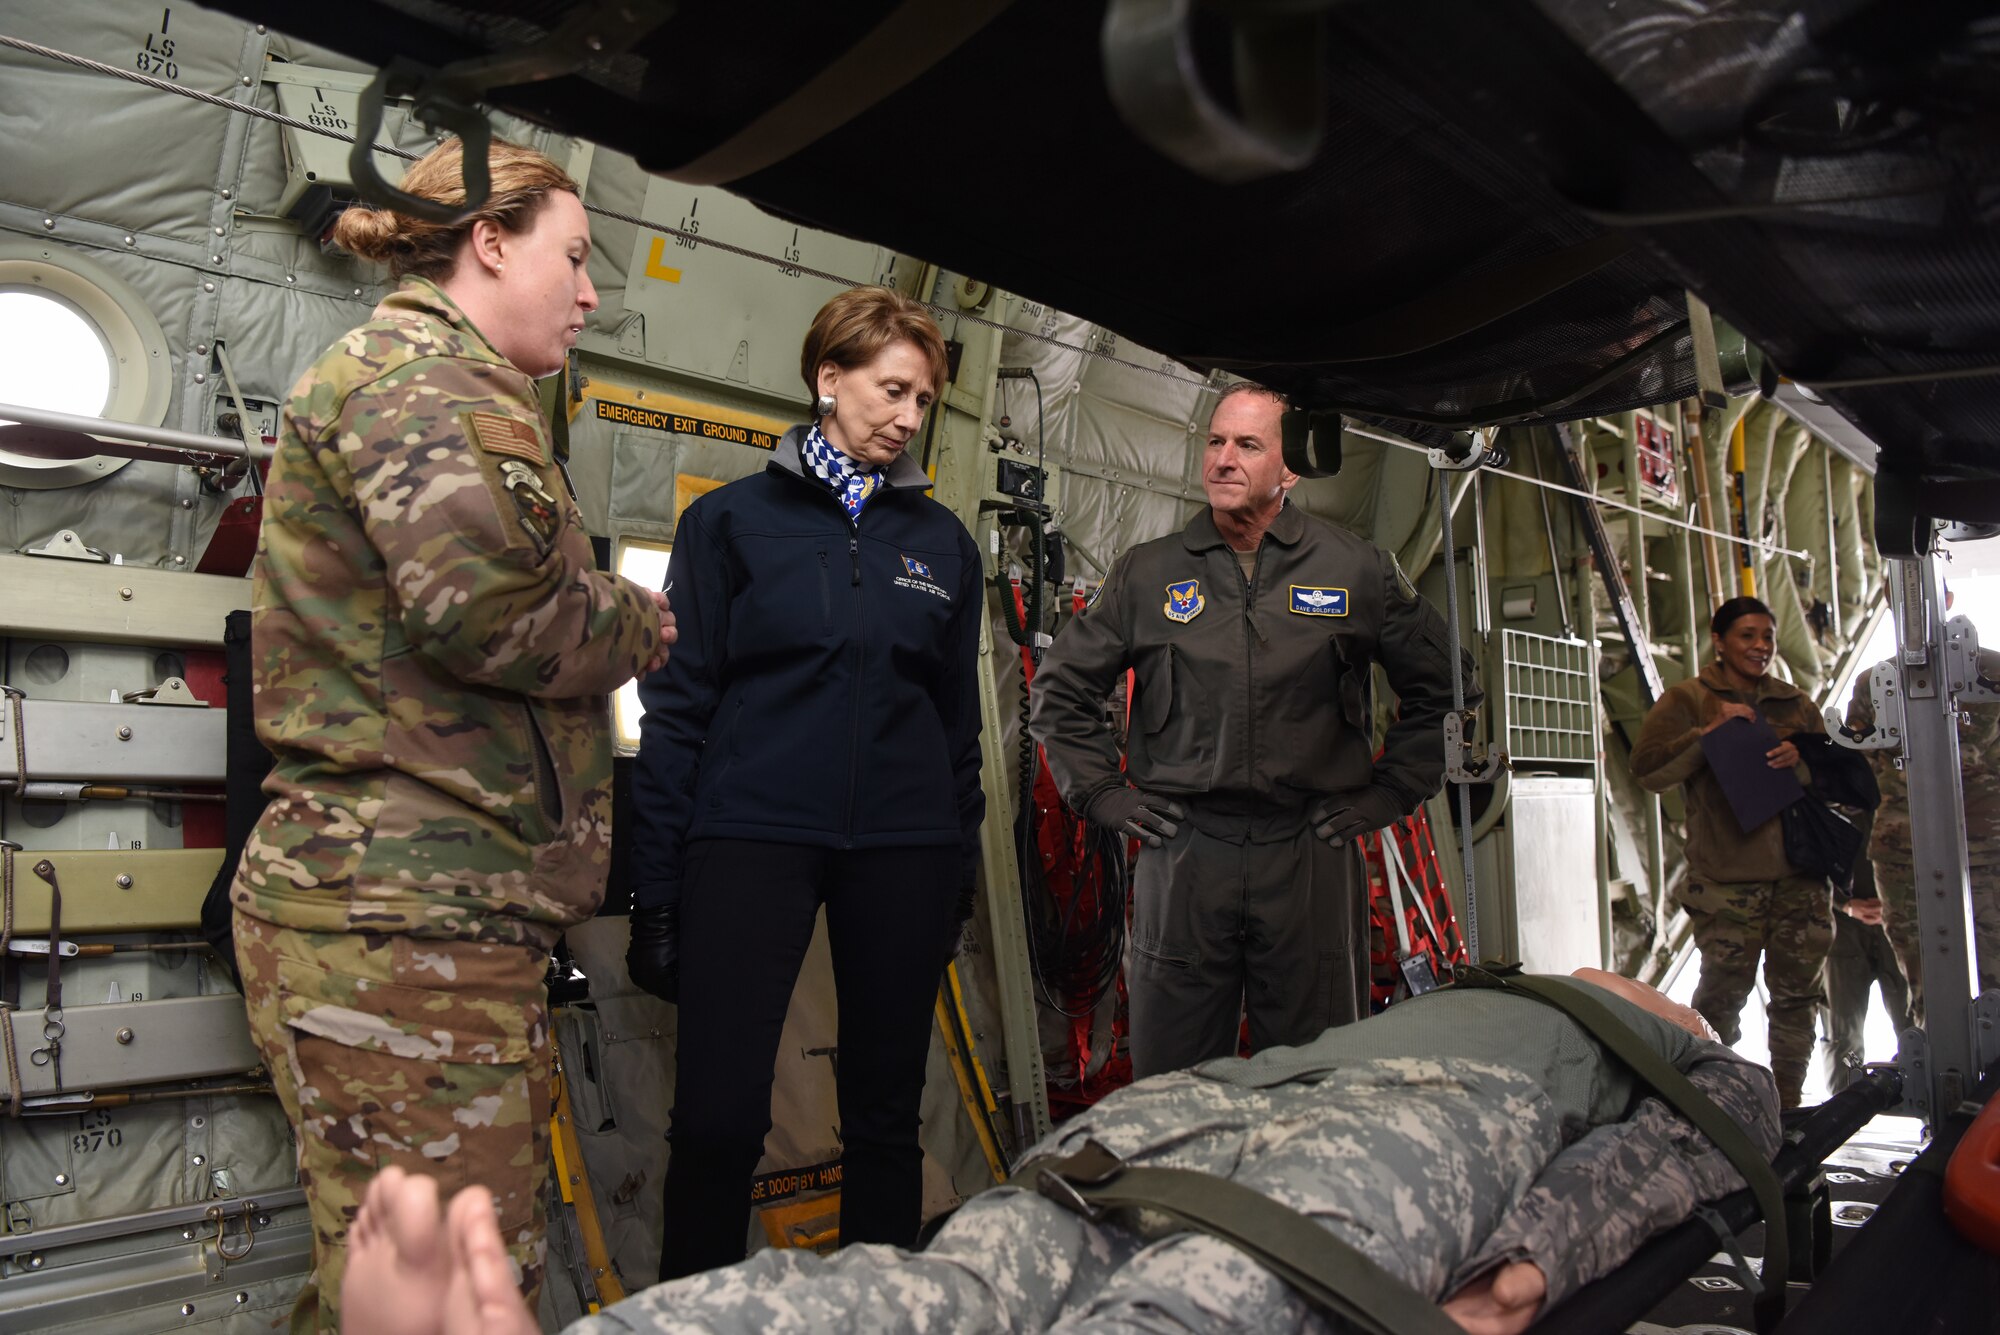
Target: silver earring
824, 405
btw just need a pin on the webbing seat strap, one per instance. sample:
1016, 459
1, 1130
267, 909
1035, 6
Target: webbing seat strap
1326, 1271
1580, 1002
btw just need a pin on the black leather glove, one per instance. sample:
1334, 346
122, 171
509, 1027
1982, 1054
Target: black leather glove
654, 957
1138, 814
1343, 816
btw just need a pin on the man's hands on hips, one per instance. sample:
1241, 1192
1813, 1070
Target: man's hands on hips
1138, 814
1341, 817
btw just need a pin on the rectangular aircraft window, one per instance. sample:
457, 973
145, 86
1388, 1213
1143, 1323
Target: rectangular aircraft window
645, 564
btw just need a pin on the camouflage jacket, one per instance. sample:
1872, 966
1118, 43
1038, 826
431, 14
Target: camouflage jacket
1978, 766
434, 649
1669, 753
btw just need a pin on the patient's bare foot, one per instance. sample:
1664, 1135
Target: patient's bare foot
398, 1267
484, 1297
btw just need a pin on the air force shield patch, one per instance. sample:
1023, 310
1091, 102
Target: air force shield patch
1184, 600
1312, 602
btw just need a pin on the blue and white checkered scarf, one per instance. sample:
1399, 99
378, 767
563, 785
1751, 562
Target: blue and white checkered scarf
851, 483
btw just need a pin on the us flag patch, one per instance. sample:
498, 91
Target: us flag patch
497, 433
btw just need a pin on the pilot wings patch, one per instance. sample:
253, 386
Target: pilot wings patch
1312, 602
1184, 601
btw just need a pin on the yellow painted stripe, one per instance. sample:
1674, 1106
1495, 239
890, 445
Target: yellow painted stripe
965, 1026
996, 1163
1746, 577
573, 1179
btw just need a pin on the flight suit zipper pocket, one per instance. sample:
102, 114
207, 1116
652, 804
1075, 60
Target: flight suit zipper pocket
548, 793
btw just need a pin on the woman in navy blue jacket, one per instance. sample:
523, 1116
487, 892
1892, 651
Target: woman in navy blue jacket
813, 741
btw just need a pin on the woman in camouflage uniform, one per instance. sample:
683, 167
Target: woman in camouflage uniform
1742, 895
434, 653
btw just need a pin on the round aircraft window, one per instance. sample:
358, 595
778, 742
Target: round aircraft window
74, 338
51, 356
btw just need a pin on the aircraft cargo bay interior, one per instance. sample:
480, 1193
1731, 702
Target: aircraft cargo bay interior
1000, 664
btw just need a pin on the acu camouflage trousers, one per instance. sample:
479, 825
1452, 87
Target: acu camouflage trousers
387, 1049
1896, 883
1789, 923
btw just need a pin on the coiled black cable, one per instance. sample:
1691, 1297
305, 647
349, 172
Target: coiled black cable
1074, 959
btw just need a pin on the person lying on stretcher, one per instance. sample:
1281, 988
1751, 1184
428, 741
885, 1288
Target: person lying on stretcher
1477, 1145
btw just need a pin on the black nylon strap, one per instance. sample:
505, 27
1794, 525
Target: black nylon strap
1577, 1001
1327, 1272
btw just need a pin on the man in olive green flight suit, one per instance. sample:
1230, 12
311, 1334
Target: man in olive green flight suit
1252, 634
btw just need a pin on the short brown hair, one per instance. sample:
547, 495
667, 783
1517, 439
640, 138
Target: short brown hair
1235, 388
522, 180
856, 325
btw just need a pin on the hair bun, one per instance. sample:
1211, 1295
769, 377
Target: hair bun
371, 234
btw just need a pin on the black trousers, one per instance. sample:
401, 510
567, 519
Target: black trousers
747, 911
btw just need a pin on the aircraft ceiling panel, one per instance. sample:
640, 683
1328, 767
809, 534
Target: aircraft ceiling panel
1496, 221
128, 124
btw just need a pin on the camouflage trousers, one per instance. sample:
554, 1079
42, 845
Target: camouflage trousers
1789, 923
1896, 882
1861, 959
390, 1049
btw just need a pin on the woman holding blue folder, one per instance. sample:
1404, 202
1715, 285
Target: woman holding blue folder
1743, 896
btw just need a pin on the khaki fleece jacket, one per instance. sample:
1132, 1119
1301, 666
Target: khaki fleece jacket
1669, 753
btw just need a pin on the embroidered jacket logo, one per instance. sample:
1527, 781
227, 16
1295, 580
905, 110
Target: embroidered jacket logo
1184, 602
919, 578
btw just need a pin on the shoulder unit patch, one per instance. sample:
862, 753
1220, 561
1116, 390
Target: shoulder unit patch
1184, 602
1316, 602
